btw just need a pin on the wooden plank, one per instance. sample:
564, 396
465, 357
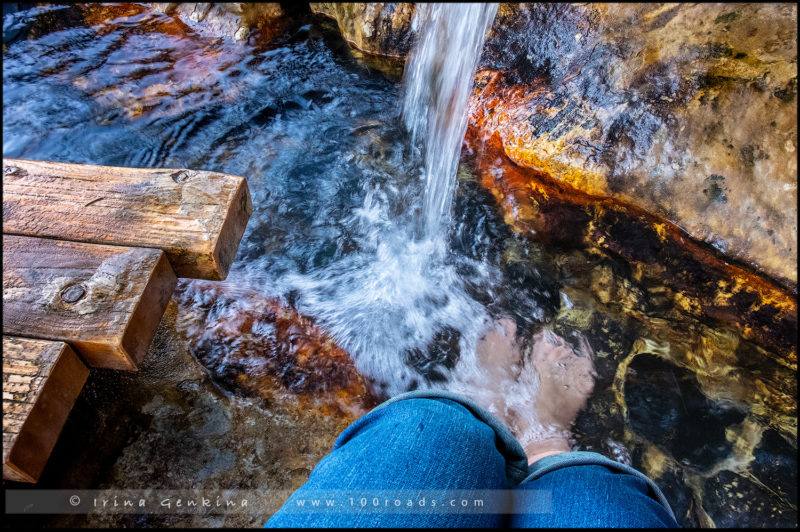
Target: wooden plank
105, 301
41, 381
196, 217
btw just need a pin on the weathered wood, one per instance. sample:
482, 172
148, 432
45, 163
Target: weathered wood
105, 301
196, 217
41, 380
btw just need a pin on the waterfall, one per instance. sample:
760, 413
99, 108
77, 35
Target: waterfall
437, 79
399, 300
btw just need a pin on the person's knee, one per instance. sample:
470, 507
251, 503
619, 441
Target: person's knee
428, 443
594, 495
435, 431
437, 421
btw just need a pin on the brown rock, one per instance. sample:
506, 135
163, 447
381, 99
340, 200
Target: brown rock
699, 279
232, 20
380, 28
687, 111
258, 347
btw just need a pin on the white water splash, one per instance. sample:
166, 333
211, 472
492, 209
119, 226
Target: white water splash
399, 292
391, 298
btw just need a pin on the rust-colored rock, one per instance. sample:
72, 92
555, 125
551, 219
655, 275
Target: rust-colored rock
685, 110
259, 347
701, 281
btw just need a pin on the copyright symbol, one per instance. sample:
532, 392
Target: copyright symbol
74, 500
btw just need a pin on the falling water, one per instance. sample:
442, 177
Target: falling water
334, 233
400, 306
437, 80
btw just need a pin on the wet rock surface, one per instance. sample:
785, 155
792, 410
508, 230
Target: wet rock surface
696, 278
232, 20
379, 28
775, 465
674, 401
258, 347
665, 404
242, 391
686, 111
754, 502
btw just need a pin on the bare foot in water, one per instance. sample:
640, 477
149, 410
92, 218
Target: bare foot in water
539, 397
498, 351
566, 380
499, 358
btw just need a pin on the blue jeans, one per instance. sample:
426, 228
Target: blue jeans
435, 459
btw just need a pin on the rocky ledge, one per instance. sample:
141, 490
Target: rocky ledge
685, 111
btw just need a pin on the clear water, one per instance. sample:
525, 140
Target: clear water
338, 185
338, 188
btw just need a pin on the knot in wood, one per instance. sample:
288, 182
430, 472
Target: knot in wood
9, 170
180, 177
73, 293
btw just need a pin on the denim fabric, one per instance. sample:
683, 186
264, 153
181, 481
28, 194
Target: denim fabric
425, 443
575, 458
507, 444
590, 496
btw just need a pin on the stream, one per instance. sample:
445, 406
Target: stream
371, 229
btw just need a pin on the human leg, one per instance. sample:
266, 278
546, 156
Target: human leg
580, 489
410, 445
588, 490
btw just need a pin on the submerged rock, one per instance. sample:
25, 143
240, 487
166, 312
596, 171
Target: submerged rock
758, 505
680, 497
258, 347
775, 465
665, 404
697, 279
687, 111
698, 401
232, 20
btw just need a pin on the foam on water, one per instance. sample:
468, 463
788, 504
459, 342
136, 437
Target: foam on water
400, 292
391, 298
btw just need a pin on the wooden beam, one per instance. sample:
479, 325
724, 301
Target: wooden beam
105, 301
196, 217
41, 380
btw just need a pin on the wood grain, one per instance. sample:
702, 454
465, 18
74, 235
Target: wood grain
105, 301
196, 217
41, 380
